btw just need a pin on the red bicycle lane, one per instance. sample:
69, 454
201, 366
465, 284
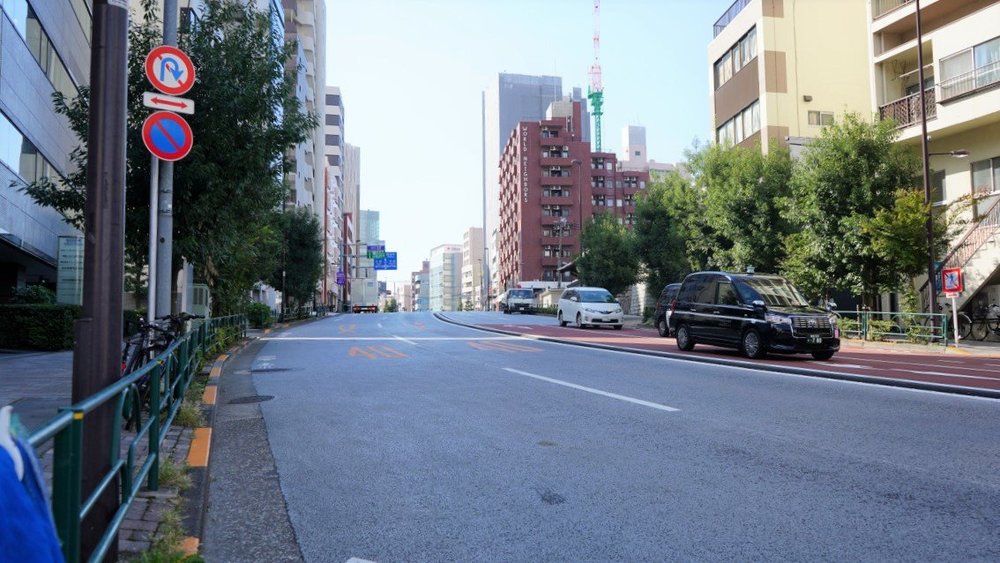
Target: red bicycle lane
954, 371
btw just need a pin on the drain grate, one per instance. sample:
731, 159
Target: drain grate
251, 399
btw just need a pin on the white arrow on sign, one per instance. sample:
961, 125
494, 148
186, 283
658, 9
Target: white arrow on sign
168, 103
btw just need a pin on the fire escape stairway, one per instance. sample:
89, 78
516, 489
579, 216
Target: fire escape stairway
977, 253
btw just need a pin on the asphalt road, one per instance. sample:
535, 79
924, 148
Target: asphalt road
403, 438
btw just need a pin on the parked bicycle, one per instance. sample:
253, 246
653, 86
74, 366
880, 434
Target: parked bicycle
150, 341
985, 321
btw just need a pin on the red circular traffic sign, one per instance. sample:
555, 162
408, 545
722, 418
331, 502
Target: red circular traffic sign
169, 70
167, 135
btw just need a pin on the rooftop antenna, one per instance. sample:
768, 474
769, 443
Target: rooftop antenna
595, 92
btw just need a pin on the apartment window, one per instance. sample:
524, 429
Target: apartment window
333, 159
741, 126
333, 140
554, 211
973, 68
333, 99
555, 191
937, 186
82, 10
822, 118
21, 155
986, 176
26, 22
744, 51
333, 119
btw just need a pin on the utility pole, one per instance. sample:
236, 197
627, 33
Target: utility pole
165, 213
925, 159
97, 356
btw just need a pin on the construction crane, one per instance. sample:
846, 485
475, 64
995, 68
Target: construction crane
595, 92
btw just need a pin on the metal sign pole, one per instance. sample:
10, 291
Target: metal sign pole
154, 181
165, 227
954, 317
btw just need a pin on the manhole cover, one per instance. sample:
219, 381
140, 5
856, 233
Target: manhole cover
251, 399
269, 370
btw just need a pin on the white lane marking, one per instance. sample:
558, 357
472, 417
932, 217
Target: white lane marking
358, 560
594, 391
944, 374
838, 365
407, 340
379, 325
349, 338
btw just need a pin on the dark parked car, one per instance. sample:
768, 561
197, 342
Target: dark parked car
756, 313
661, 316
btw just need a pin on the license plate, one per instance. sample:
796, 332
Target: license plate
815, 339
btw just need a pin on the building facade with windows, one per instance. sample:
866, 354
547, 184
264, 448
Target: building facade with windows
961, 55
773, 76
44, 48
419, 287
472, 268
551, 184
444, 291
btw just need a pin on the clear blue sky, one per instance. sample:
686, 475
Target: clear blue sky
411, 74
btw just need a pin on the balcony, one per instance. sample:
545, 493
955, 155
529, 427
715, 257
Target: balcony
729, 16
906, 111
971, 82
883, 7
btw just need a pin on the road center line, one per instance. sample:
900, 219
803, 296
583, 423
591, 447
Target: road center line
408, 341
594, 391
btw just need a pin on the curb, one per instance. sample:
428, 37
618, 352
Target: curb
907, 384
199, 454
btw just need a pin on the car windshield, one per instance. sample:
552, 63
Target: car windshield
772, 291
596, 296
519, 294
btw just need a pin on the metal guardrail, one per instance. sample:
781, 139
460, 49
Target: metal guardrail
924, 328
982, 230
170, 375
972, 81
906, 110
883, 7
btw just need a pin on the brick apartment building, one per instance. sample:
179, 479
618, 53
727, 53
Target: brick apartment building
551, 184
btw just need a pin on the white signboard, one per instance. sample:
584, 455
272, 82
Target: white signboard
69, 273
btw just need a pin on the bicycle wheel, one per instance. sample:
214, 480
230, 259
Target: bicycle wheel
993, 324
979, 329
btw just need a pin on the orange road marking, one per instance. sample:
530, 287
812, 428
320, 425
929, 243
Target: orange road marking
189, 546
358, 351
209, 397
387, 352
200, 446
222, 358
215, 372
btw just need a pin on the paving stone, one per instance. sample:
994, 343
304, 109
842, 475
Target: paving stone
146, 525
131, 546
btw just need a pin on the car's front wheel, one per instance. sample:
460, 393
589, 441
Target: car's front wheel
661, 327
579, 320
684, 340
561, 321
823, 356
753, 345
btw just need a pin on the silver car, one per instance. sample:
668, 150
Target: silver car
594, 306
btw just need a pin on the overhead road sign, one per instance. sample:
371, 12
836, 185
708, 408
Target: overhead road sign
376, 251
167, 136
168, 103
169, 70
386, 263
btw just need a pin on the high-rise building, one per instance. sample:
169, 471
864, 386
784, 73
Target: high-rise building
773, 76
961, 57
551, 184
509, 99
420, 284
333, 153
472, 268
305, 24
444, 281
633, 152
44, 48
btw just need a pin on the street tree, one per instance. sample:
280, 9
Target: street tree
847, 177
300, 257
739, 191
227, 189
663, 227
609, 259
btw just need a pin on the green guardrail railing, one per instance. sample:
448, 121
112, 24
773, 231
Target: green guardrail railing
170, 374
924, 328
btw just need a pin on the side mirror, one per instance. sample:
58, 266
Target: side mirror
758, 304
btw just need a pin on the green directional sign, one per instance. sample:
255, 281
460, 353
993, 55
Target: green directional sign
376, 251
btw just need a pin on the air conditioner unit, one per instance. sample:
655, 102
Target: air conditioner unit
201, 302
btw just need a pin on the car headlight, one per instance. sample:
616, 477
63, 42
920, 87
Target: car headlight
589, 310
834, 320
778, 319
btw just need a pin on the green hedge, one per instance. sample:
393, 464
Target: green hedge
37, 327
259, 315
